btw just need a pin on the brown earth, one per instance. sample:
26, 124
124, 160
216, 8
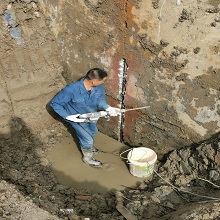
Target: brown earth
186, 182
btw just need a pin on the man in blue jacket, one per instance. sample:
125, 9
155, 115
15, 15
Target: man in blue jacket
84, 96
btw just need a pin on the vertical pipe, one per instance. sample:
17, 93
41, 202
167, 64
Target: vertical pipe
122, 91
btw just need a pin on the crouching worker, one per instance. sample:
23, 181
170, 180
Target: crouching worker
84, 96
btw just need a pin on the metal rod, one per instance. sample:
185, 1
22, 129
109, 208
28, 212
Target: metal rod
132, 109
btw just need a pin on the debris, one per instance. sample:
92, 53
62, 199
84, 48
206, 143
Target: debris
66, 211
196, 50
9, 18
120, 207
15, 33
178, 2
213, 174
164, 43
155, 199
184, 15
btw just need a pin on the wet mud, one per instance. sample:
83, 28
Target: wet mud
70, 170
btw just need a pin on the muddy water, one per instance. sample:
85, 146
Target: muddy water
68, 167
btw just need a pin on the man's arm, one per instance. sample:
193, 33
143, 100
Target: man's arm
102, 104
59, 102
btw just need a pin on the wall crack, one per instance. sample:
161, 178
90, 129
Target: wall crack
123, 67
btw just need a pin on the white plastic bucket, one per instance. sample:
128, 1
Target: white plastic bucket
141, 161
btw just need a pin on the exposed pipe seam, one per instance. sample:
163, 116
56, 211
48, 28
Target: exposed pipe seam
122, 90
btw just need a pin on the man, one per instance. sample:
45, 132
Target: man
84, 96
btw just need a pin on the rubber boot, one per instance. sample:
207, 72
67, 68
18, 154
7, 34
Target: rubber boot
95, 150
88, 159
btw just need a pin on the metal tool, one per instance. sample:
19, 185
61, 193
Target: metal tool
106, 114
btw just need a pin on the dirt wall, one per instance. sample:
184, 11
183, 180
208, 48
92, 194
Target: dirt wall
172, 51
30, 70
171, 55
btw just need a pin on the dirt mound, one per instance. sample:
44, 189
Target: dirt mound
185, 186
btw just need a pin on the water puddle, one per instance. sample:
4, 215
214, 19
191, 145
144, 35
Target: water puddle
69, 169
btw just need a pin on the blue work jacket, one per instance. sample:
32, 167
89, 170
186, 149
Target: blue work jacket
75, 99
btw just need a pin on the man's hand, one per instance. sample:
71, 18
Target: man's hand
75, 118
93, 119
113, 111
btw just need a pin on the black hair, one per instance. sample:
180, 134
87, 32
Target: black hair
96, 73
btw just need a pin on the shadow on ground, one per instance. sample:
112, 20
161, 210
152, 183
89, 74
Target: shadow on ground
22, 163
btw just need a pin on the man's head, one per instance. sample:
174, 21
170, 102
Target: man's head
96, 76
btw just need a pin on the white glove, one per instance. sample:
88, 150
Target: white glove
93, 119
75, 119
113, 111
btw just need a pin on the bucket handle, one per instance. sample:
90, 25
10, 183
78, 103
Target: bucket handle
125, 158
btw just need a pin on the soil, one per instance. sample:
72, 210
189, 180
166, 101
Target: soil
185, 184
